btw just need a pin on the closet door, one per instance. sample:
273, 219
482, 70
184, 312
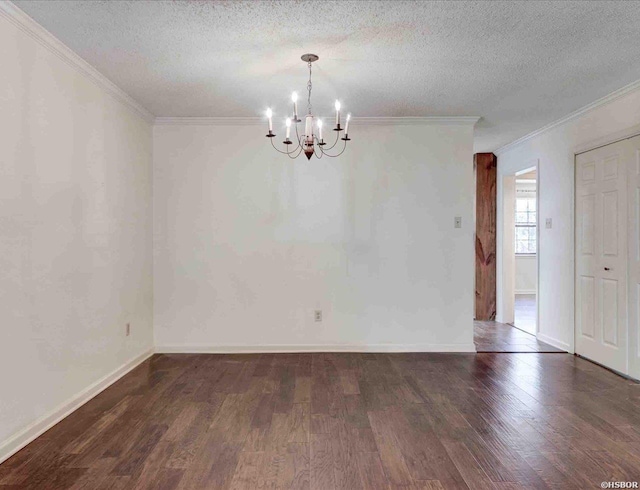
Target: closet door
634, 256
601, 255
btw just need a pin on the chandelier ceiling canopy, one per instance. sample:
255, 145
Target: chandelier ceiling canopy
311, 142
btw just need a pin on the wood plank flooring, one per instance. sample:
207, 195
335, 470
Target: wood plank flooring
347, 421
525, 311
501, 337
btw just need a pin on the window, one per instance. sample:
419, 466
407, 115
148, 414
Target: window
525, 225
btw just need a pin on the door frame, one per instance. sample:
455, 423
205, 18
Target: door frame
506, 265
609, 139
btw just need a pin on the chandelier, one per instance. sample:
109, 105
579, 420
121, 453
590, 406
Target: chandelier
311, 141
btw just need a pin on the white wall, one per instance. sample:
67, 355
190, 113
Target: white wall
553, 150
75, 235
248, 243
526, 274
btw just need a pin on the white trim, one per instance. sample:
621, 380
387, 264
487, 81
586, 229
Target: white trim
360, 121
554, 342
525, 291
30, 27
589, 107
504, 293
19, 440
209, 121
538, 223
274, 348
609, 139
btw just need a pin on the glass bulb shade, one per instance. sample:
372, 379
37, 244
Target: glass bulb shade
269, 113
337, 105
294, 96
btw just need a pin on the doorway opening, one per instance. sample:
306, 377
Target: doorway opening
525, 233
515, 328
516, 325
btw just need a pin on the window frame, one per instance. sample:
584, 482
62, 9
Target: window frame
527, 224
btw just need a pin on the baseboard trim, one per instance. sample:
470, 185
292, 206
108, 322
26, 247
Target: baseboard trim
554, 342
19, 440
299, 348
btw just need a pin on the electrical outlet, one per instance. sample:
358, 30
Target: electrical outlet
128, 330
549, 223
318, 315
457, 222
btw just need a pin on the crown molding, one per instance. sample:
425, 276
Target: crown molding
573, 115
30, 27
417, 121
360, 121
209, 121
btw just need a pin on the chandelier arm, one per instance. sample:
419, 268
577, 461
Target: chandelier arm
316, 147
296, 153
292, 156
300, 138
334, 156
298, 143
335, 142
280, 151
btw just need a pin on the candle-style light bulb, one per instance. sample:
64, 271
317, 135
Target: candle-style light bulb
269, 116
337, 113
320, 129
288, 123
294, 98
346, 128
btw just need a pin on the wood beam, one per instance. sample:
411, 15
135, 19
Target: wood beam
486, 169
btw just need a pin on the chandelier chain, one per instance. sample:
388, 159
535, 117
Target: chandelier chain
309, 86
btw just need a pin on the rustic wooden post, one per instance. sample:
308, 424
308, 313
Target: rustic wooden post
486, 169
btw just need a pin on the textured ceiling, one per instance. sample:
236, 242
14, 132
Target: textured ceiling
518, 65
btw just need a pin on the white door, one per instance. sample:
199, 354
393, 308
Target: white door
601, 255
634, 256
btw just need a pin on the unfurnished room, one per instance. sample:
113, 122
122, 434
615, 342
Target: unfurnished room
305, 244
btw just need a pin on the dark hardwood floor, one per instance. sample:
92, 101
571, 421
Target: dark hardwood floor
346, 421
502, 337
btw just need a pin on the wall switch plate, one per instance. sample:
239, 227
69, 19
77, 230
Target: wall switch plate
128, 330
548, 223
457, 222
317, 315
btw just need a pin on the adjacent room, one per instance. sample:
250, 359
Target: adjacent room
526, 270
376, 244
